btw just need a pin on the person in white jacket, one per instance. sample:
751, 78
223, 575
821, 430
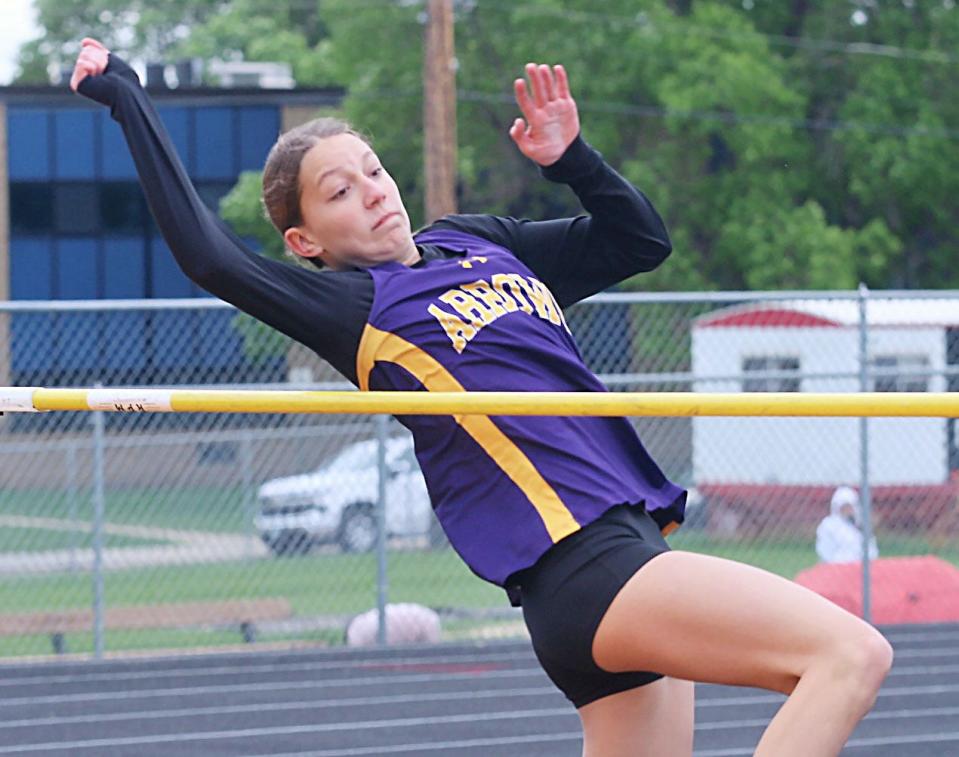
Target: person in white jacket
839, 536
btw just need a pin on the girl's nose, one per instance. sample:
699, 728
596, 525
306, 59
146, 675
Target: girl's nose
374, 193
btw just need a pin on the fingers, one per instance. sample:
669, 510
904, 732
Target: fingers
518, 130
535, 80
562, 82
523, 98
80, 72
547, 84
91, 61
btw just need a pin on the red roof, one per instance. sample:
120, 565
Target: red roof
880, 311
767, 317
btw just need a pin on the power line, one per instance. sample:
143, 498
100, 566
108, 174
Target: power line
808, 43
655, 111
642, 20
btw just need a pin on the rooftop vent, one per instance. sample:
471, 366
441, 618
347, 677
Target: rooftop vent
265, 75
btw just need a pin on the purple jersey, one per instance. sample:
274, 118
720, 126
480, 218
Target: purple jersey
505, 488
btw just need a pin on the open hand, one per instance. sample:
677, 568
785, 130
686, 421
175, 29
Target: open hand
551, 119
92, 61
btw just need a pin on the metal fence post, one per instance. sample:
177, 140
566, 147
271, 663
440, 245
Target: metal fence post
98, 514
249, 497
864, 495
72, 515
382, 580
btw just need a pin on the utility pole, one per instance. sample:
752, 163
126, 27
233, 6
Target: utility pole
439, 110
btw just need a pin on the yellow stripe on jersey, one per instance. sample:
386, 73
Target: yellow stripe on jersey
382, 346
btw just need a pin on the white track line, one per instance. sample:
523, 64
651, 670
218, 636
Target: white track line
284, 706
466, 658
724, 725
887, 691
505, 716
924, 670
932, 738
226, 670
924, 636
471, 677
534, 672
904, 654
417, 698
280, 731
444, 745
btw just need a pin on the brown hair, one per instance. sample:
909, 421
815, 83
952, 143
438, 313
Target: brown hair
281, 174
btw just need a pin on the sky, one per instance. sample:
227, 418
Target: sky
17, 25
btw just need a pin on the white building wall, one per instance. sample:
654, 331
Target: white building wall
813, 451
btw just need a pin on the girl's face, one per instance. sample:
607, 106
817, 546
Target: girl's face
353, 214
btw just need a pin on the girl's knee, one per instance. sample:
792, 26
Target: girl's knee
863, 660
876, 655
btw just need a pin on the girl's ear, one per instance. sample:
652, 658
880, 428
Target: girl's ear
301, 243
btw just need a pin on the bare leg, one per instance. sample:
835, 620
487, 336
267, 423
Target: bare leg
707, 619
654, 721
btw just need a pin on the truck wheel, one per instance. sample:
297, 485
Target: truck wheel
358, 530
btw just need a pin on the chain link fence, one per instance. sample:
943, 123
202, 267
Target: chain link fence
122, 532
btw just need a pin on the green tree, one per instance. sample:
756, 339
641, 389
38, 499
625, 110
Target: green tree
243, 209
786, 144
289, 32
142, 27
879, 83
695, 106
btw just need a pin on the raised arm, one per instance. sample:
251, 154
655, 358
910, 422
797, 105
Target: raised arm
623, 234
202, 247
323, 311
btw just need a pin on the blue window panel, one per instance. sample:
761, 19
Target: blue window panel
78, 334
214, 143
259, 128
124, 340
172, 339
115, 159
124, 268
77, 269
218, 343
31, 342
29, 144
31, 268
177, 122
74, 142
168, 279
124, 277
78, 341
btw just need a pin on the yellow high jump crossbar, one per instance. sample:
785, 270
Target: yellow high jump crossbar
810, 404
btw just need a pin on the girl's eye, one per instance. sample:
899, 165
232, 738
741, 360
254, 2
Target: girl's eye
340, 193
377, 171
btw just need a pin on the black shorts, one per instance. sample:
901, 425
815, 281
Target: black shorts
567, 592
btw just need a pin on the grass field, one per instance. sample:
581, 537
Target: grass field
45, 539
224, 509
316, 585
787, 556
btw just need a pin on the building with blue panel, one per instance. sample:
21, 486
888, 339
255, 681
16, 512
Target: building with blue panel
76, 227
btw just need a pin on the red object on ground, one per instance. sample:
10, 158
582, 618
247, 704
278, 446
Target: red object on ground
904, 589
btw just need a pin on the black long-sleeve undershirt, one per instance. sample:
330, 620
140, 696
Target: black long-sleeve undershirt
327, 310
